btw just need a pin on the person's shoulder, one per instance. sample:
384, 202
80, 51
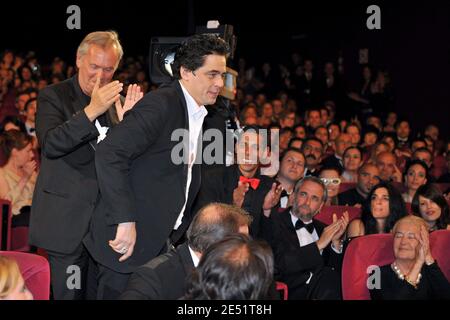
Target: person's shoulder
355, 228
60, 88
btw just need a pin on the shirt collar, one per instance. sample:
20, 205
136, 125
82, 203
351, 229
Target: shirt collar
194, 110
194, 257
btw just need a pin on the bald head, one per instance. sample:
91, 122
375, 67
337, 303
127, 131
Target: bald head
214, 222
343, 141
385, 163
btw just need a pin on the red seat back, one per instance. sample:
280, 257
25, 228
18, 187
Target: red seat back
5, 224
362, 252
326, 214
19, 239
35, 272
281, 286
440, 249
344, 186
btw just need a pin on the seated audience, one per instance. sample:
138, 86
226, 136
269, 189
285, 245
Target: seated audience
382, 209
416, 173
235, 268
18, 175
308, 254
164, 277
368, 176
331, 178
12, 285
431, 205
415, 274
353, 159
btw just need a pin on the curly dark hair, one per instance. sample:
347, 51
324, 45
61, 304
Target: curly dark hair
236, 268
397, 209
191, 53
433, 193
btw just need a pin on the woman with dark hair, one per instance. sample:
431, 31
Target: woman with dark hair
18, 175
13, 123
382, 209
415, 175
430, 204
236, 268
353, 159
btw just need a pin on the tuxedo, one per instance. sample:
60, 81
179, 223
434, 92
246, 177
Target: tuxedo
307, 272
163, 277
218, 186
66, 189
140, 182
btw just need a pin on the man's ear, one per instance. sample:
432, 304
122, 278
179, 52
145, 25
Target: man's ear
78, 62
185, 73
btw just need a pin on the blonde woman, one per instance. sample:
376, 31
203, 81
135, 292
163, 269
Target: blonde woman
12, 285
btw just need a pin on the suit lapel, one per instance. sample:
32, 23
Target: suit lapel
289, 228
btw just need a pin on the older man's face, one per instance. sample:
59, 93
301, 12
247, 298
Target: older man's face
308, 200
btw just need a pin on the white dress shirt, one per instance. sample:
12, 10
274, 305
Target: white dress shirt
196, 115
194, 257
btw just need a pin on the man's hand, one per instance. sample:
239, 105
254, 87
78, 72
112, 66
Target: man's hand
272, 197
328, 234
343, 223
125, 240
134, 94
102, 98
239, 194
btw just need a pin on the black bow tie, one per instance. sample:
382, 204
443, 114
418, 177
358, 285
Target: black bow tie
284, 194
300, 224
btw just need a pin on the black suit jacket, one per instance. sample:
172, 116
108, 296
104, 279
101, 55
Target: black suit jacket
293, 263
219, 183
164, 277
140, 182
66, 189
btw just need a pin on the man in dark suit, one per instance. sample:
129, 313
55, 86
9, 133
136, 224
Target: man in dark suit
164, 277
147, 185
307, 253
343, 141
72, 117
242, 184
313, 151
368, 176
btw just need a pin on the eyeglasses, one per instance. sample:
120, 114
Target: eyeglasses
333, 181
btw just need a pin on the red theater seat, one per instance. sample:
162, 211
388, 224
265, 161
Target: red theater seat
35, 271
440, 248
326, 214
362, 252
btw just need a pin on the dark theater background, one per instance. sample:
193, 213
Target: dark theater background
412, 43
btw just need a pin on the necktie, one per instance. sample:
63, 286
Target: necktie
253, 182
300, 224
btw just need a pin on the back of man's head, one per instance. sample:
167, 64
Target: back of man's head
214, 222
236, 268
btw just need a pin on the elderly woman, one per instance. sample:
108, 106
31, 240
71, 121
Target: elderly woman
382, 209
12, 285
414, 274
416, 173
18, 175
430, 204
